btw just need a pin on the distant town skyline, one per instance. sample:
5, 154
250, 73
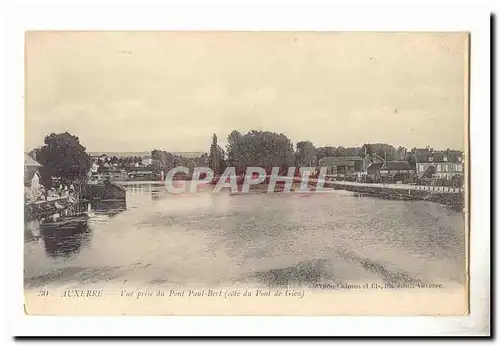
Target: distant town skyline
139, 91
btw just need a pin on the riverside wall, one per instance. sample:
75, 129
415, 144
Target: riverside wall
453, 198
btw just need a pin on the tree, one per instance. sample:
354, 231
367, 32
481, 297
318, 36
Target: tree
234, 150
322, 152
401, 153
222, 160
202, 161
353, 151
305, 154
259, 149
341, 152
63, 156
384, 151
163, 161
366, 151
156, 160
214, 156
412, 161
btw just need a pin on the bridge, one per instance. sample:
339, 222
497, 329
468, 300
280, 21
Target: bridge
139, 182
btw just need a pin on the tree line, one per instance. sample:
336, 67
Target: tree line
268, 149
122, 161
163, 161
64, 157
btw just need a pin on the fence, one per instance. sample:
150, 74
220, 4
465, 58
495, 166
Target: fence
438, 188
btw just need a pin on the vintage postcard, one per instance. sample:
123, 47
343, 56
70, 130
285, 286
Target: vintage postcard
246, 173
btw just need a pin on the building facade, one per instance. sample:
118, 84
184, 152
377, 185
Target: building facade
31, 167
443, 165
147, 161
396, 171
31, 177
396, 167
344, 165
441, 170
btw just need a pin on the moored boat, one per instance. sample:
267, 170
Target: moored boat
66, 222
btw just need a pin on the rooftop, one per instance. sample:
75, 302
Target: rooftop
375, 166
336, 159
431, 155
29, 162
396, 165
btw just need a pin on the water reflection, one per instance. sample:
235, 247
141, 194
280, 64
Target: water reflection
65, 243
273, 240
31, 231
110, 209
155, 196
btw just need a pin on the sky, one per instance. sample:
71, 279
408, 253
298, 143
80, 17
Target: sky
138, 91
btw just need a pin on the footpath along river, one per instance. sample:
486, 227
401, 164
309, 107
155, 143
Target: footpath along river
257, 239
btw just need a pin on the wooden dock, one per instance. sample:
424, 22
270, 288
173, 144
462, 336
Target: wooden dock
38, 210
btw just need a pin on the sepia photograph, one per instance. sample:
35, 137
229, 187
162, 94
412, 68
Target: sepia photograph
246, 173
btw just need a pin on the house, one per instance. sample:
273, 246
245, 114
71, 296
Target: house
393, 167
373, 171
100, 158
147, 161
422, 154
439, 164
30, 168
396, 170
343, 165
440, 169
31, 176
141, 175
94, 168
109, 174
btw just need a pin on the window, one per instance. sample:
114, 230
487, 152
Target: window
445, 168
438, 168
460, 168
421, 168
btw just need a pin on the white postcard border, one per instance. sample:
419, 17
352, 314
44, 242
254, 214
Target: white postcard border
248, 15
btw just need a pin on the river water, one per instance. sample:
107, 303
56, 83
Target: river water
260, 239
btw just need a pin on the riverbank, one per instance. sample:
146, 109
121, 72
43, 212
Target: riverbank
451, 197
